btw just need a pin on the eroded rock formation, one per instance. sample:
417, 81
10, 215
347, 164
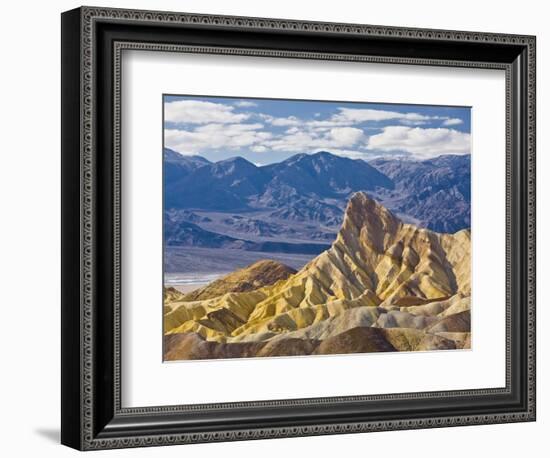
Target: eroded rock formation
383, 285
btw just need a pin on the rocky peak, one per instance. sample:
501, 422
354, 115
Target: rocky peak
233, 166
378, 268
366, 221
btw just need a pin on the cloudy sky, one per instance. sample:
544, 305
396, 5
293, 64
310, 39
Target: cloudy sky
266, 130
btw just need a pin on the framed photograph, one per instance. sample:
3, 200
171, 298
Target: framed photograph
276, 228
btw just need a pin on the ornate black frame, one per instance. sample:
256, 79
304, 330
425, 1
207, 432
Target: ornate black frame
92, 42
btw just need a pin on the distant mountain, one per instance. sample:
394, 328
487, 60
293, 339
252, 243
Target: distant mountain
224, 185
186, 215
237, 184
253, 226
177, 165
305, 186
325, 175
307, 209
307, 190
440, 173
435, 192
183, 233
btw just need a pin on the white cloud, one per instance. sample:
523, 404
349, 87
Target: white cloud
245, 104
216, 136
320, 129
419, 142
290, 121
326, 124
452, 122
282, 122
199, 112
349, 153
297, 142
231, 129
354, 116
358, 115
308, 141
258, 148
346, 136
202, 126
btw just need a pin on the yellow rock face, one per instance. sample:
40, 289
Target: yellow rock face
376, 262
250, 278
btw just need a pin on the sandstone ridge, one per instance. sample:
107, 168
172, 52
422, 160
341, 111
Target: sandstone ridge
409, 286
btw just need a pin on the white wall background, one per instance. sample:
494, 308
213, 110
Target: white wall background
30, 212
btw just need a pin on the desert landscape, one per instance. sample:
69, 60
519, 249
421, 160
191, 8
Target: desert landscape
382, 286
298, 227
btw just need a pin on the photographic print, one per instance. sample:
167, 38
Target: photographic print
302, 227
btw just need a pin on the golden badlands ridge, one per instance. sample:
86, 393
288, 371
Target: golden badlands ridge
382, 286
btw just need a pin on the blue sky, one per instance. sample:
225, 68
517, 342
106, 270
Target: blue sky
270, 130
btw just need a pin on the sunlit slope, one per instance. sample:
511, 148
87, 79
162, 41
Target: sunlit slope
250, 278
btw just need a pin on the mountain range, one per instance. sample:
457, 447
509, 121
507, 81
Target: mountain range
383, 285
182, 233
298, 204
435, 192
236, 184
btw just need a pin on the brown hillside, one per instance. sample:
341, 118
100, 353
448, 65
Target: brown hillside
254, 276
